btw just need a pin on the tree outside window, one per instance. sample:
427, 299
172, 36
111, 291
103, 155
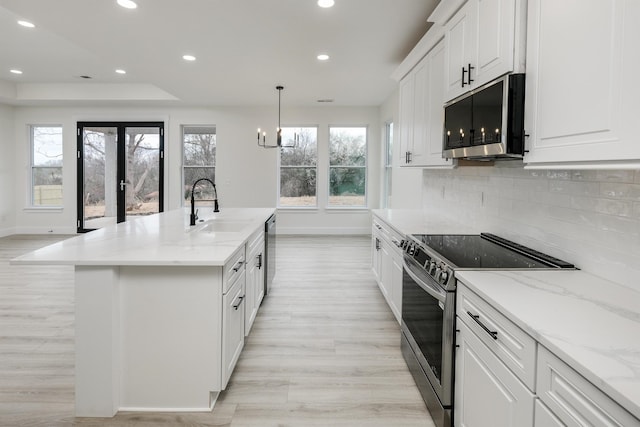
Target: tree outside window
199, 160
298, 167
347, 166
46, 165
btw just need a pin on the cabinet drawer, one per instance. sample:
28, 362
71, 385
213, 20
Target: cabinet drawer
512, 345
391, 236
255, 243
573, 399
233, 269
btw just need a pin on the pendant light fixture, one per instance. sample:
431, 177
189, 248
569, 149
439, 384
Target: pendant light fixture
278, 143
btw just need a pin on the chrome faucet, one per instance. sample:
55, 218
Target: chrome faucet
194, 214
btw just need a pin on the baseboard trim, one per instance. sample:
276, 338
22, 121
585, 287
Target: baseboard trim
44, 230
358, 231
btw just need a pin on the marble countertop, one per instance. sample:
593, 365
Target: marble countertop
592, 324
413, 221
161, 239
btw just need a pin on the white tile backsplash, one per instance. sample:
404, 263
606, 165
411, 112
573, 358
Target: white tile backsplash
590, 218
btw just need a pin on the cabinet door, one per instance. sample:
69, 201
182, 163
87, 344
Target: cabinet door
434, 96
250, 309
376, 255
495, 40
386, 270
460, 39
582, 98
486, 392
396, 287
233, 306
481, 39
406, 114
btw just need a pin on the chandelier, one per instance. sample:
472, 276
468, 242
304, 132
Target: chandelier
262, 138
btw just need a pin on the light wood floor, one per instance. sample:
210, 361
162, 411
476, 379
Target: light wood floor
324, 350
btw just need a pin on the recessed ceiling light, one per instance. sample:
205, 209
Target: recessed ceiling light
14, 71
323, 57
129, 4
189, 57
26, 24
326, 3
119, 71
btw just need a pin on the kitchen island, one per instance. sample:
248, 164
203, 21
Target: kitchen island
158, 309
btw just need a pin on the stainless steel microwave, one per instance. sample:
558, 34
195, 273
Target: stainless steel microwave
487, 123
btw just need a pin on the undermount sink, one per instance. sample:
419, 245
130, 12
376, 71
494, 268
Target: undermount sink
222, 226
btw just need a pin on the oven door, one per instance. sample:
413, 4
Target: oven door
428, 320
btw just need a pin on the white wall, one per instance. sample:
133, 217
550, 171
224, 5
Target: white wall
405, 182
246, 174
7, 172
589, 218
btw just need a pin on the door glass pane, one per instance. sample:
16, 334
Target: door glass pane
142, 151
99, 195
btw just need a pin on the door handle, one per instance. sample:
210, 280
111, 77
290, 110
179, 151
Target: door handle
122, 185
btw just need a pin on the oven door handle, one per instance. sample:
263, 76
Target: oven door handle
439, 294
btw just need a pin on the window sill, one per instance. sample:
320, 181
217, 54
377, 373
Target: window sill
43, 209
342, 209
298, 208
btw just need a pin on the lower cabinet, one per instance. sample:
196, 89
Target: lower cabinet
500, 380
233, 308
387, 265
255, 279
487, 392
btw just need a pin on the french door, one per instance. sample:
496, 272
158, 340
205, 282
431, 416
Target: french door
120, 172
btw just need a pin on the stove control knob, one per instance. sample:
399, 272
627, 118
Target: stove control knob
437, 274
432, 268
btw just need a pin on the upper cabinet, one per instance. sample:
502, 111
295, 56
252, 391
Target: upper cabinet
422, 112
582, 98
484, 40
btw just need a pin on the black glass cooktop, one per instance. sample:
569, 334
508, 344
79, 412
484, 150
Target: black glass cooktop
487, 251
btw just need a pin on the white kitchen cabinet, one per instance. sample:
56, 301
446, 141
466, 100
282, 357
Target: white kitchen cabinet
233, 312
581, 96
387, 264
422, 112
233, 307
484, 40
255, 279
511, 344
574, 400
487, 393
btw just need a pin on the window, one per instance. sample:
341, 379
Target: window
198, 159
46, 165
347, 166
388, 163
298, 167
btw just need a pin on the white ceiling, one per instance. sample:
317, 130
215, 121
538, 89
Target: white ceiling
244, 48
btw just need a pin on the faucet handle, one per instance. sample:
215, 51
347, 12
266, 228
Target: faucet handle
196, 213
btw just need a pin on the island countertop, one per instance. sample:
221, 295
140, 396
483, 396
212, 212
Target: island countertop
160, 239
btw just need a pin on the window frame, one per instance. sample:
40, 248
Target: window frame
364, 206
32, 167
280, 166
183, 199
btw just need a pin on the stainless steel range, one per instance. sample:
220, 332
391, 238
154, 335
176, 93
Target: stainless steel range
428, 303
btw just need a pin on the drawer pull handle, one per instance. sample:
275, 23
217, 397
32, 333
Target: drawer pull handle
475, 317
237, 305
238, 266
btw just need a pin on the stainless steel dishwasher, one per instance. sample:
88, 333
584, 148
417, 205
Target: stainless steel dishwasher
270, 252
